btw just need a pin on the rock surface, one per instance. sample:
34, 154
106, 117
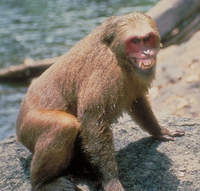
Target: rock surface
144, 163
176, 89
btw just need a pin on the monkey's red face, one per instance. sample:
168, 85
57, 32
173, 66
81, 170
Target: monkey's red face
142, 50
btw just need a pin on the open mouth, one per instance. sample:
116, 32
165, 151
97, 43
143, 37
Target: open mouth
143, 64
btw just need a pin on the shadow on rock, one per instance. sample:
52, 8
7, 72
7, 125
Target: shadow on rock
25, 163
142, 167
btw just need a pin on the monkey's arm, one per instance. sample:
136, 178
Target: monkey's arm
143, 115
97, 142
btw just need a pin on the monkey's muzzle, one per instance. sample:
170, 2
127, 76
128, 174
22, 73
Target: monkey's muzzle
143, 64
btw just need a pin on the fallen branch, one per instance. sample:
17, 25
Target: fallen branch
169, 14
182, 33
29, 69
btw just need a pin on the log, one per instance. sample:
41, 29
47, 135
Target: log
168, 14
26, 71
179, 34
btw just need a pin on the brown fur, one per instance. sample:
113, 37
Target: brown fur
84, 92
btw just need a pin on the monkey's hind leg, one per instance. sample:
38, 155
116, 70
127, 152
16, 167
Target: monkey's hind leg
53, 150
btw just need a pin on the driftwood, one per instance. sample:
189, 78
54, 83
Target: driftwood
26, 71
176, 21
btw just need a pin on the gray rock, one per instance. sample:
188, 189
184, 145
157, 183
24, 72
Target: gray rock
144, 163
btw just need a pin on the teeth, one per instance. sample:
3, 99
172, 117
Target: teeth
145, 64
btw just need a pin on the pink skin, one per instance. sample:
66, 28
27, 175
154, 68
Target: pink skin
142, 50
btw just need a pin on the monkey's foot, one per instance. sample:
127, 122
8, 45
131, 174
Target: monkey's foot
113, 185
169, 135
60, 184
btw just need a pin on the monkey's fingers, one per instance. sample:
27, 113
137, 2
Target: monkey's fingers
170, 136
177, 133
164, 138
77, 189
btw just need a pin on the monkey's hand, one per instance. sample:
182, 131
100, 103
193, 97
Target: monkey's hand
167, 135
113, 185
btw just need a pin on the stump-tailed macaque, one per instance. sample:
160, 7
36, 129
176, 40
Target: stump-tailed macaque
107, 72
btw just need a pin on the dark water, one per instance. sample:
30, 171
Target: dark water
42, 29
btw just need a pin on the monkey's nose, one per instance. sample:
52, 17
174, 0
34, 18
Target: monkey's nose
146, 52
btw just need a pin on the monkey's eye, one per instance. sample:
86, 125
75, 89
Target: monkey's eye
135, 40
147, 38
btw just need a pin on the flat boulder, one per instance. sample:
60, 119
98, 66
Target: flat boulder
144, 163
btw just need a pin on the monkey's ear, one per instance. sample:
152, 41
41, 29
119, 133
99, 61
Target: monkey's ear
109, 30
108, 38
